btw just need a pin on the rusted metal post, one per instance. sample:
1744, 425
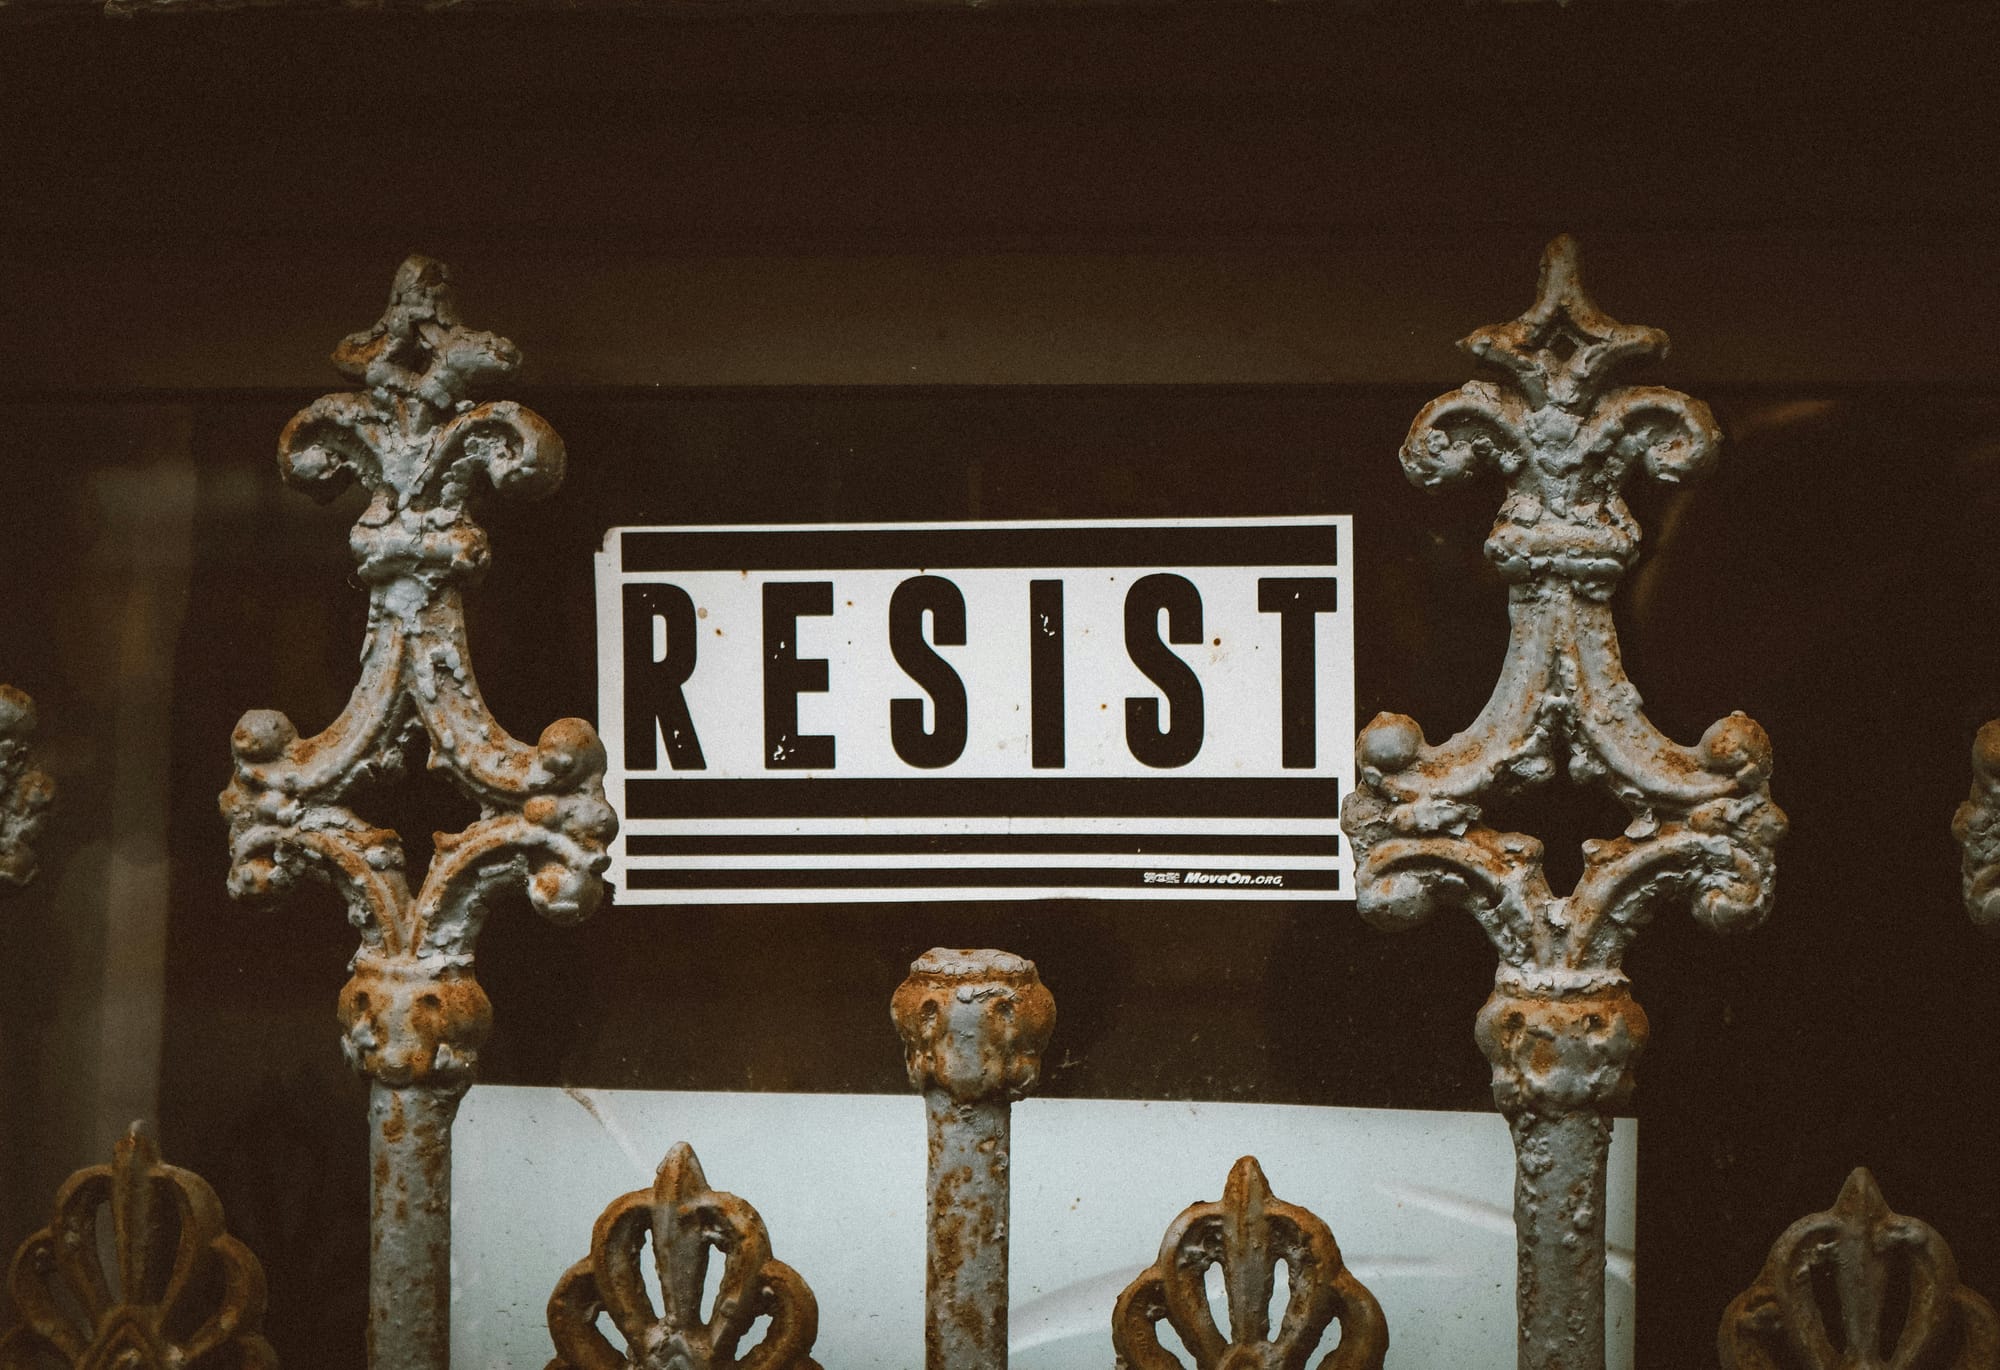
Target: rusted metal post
409, 1221
25, 792
1561, 1029
413, 1013
974, 1024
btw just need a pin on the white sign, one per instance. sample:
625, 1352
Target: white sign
979, 710
1422, 1205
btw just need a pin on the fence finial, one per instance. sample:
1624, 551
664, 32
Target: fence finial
420, 445
183, 1292
1247, 1234
686, 1221
1855, 1253
1561, 1029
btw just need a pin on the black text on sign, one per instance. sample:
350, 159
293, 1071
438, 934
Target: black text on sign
979, 711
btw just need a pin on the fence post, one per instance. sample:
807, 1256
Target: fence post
973, 1025
413, 1013
1562, 1029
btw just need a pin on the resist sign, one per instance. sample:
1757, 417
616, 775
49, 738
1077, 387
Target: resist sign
979, 710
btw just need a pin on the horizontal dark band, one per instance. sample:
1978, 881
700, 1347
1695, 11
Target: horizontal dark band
964, 877
1033, 797
1172, 845
947, 549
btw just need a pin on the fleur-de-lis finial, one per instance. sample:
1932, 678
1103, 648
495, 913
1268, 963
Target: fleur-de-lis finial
183, 1294
1563, 349
416, 440
1562, 434
1854, 1251
25, 792
1247, 1234
419, 445
414, 1014
1702, 821
685, 1220
419, 348
1562, 1030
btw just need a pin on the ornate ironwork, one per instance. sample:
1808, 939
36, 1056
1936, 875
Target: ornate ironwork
685, 1220
413, 1013
25, 792
1977, 827
1561, 1029
185, 1295
1247, 1234
973, 1024
1889, 1281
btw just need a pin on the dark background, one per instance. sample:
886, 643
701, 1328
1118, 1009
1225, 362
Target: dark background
198, 207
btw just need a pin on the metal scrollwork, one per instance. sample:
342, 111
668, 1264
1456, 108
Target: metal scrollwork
1561, 1029
685, 1220
1977, 827
25, 792
185, 1295
413, 1013
1247, 1234
1846, 1262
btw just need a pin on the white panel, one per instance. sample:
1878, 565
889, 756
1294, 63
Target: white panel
1420, 1203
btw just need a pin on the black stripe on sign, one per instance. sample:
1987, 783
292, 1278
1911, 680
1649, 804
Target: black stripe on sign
964, 877
1037, 797
1174, 845
890, 549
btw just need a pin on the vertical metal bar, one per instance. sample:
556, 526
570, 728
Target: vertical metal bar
973, 1024
1561, 1029
965, 1270
409, 1271
142, 571
1562, 1057
1559, 1182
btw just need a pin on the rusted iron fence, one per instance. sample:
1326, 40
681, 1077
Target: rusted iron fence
136, 1268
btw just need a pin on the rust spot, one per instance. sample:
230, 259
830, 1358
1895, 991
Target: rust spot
394, 1128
